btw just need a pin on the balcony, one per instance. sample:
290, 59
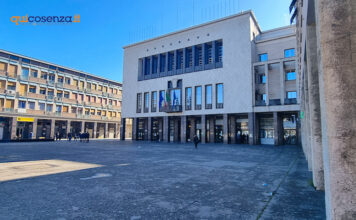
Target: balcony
21, 110
68, 86
260, 103
3, 73
68, 115
2, 91
51, 82
59, 84
36, 96
8, 110
21, 94
105, 94
290, 101
95, 117
94, 104
171, 109
37, 80
116, 96
274, 102
72, 101
35, 112
50, 97
19, 77
10, 92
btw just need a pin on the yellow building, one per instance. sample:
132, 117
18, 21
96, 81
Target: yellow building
39, 100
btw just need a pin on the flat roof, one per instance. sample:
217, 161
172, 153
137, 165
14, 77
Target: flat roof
63, 67
198, 26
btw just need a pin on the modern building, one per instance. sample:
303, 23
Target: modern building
39, 99
225, 81
326, 48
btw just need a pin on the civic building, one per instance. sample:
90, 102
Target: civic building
226, 81
39, 99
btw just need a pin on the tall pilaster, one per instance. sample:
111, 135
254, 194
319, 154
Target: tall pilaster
165, 128
34, 129
232, 129
183, 129
95, 129
192, 129
13, 128
149, 129
53, 123
225, 129
212, 129
203, 129
122, 129
134, 128
252, 128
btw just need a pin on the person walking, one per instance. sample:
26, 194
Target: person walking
196, 141
69, 136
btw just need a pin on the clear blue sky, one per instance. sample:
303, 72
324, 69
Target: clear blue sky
95, 44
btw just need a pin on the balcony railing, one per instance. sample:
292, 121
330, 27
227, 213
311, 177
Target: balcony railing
171, 108
290, 101
274, 102
50, 97
260, 103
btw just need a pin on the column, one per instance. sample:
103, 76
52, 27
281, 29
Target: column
314, 105
134, 128
13, 128
252, 135
176, 128
95, 129
149, 129
282, 81
277, 126
82, 129
203, 129
267, 82
225, 129
165, 128
160, 129
233, 129
183, 129
106, 131
34, 129
53, 123
212, 129
192, 129
336, 37
68, 127
122, 129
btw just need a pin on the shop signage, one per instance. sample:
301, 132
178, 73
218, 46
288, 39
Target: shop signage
22, 119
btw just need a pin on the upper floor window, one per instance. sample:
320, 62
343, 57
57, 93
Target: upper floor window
44, 75
290, 75
179, 83
261, 78
68, 80
51, 77
292, 95
34, 73
32, 89
170, 61
43, 91
162, 63
66, 95
170, 85
139, 103
25, 72
154, 101
146, 101
147, 66
22, 104
289, 53
41, 106
197, 97
11, 85
208, 53
188, 98
262, 57
219, 95
198, 55
154, 64
188, 57
161, 103
208, 97
31, 105
218, 51
179, 59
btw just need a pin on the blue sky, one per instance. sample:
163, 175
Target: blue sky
95, 44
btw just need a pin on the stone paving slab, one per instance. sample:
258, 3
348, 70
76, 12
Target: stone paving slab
143, 180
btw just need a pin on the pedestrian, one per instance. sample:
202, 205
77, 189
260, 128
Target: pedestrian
196, 141
69, 136
57, 136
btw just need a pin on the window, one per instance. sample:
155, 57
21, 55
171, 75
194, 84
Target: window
25, 73
208, 53
139, 103
41, 106
219, 96
162, 63
49, 107
66, 95
188, 98
188, 57
22, 104
261, 78
65, 108
198, 55
170, 85
2, 66
170, 61
154, 101
262, 57
67, 80
11, 85
74, 109
290, 75
175, 100
51, 77
146, 102
147, 66
75, 82
50, 92
208, 97
59, 94
154, 64
197, 97
44, 75
264, 97
31, 105
43, 91
60, 79
289, 53
292, 95
162, 102
179, 59
179, 83
58, 108
32, 89
34, 73
219, 51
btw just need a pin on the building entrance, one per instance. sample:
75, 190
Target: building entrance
24, 130
290, 129
155, 130
242, 131
219, 126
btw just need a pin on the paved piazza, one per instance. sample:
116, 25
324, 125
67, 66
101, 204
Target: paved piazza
142, 180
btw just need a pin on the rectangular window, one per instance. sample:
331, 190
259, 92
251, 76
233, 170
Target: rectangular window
179, 59
198, 98
58, 108
208, 97
67, 80
60, 79
162, 63
290, 75
49, 108
34, 73
289, 53
154, 101
292, 95
188, 98
25, 73
31, 105
219, 51
44, 75
41, 106
147, 66
198, 55
43, 91
65, 108
66, 95
11, 85
261, 78
154, 64
264, 97
219, 95
208, 53
262, 57
139, 103
22, 104
32, 89
188, 57
170, 61
146, 102
162, 102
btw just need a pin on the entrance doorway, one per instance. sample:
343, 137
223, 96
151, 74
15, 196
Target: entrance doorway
155, 130
24, 130
219, 126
